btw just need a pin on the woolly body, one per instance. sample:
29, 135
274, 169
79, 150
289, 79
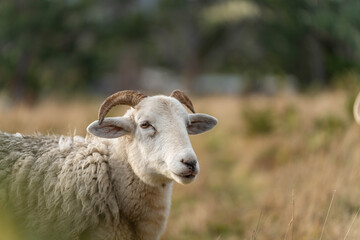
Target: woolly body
40, 179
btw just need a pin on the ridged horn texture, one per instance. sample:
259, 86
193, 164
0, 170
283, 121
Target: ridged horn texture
179, 95
126, 97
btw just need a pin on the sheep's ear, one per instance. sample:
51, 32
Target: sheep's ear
112, 127
357, 109
200, 123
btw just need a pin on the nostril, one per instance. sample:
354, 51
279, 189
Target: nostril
190, 163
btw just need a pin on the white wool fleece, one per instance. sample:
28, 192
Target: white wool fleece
53, 196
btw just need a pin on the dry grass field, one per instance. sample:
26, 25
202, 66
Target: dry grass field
284, 167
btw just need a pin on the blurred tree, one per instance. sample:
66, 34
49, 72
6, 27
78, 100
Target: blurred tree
42, 46
62, 46
311, 39
199, 36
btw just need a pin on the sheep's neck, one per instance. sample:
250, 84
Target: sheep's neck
145, 207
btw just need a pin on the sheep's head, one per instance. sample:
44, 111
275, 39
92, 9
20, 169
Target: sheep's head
158, 127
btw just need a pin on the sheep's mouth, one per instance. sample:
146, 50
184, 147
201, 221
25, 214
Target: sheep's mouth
191, 175
186, 176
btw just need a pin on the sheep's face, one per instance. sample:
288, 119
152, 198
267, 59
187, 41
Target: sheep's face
160, 149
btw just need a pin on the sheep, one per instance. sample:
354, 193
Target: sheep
114, 184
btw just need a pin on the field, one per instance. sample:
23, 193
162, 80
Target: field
284, 167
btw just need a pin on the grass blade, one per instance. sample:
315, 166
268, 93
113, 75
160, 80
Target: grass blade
327, 214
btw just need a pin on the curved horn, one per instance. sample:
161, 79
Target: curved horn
127, 97
179, 95
356, 109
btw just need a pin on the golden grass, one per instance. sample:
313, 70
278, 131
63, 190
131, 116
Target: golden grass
299, 181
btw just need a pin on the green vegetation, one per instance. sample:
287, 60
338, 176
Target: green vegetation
259, 121
330, 124
64, 47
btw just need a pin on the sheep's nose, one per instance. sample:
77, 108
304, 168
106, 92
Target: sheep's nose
190, 163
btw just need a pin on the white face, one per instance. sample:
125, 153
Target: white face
161, 135
160, 147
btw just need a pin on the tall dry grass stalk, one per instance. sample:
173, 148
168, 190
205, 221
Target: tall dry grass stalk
327, 214
291, 224
352, 223
253, 237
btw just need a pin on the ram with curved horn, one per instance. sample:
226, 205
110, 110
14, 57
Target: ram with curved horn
116, 183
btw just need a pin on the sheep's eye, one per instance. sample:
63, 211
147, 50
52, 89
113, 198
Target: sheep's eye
145, 125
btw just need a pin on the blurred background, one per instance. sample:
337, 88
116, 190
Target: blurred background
69, 47
281, 76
